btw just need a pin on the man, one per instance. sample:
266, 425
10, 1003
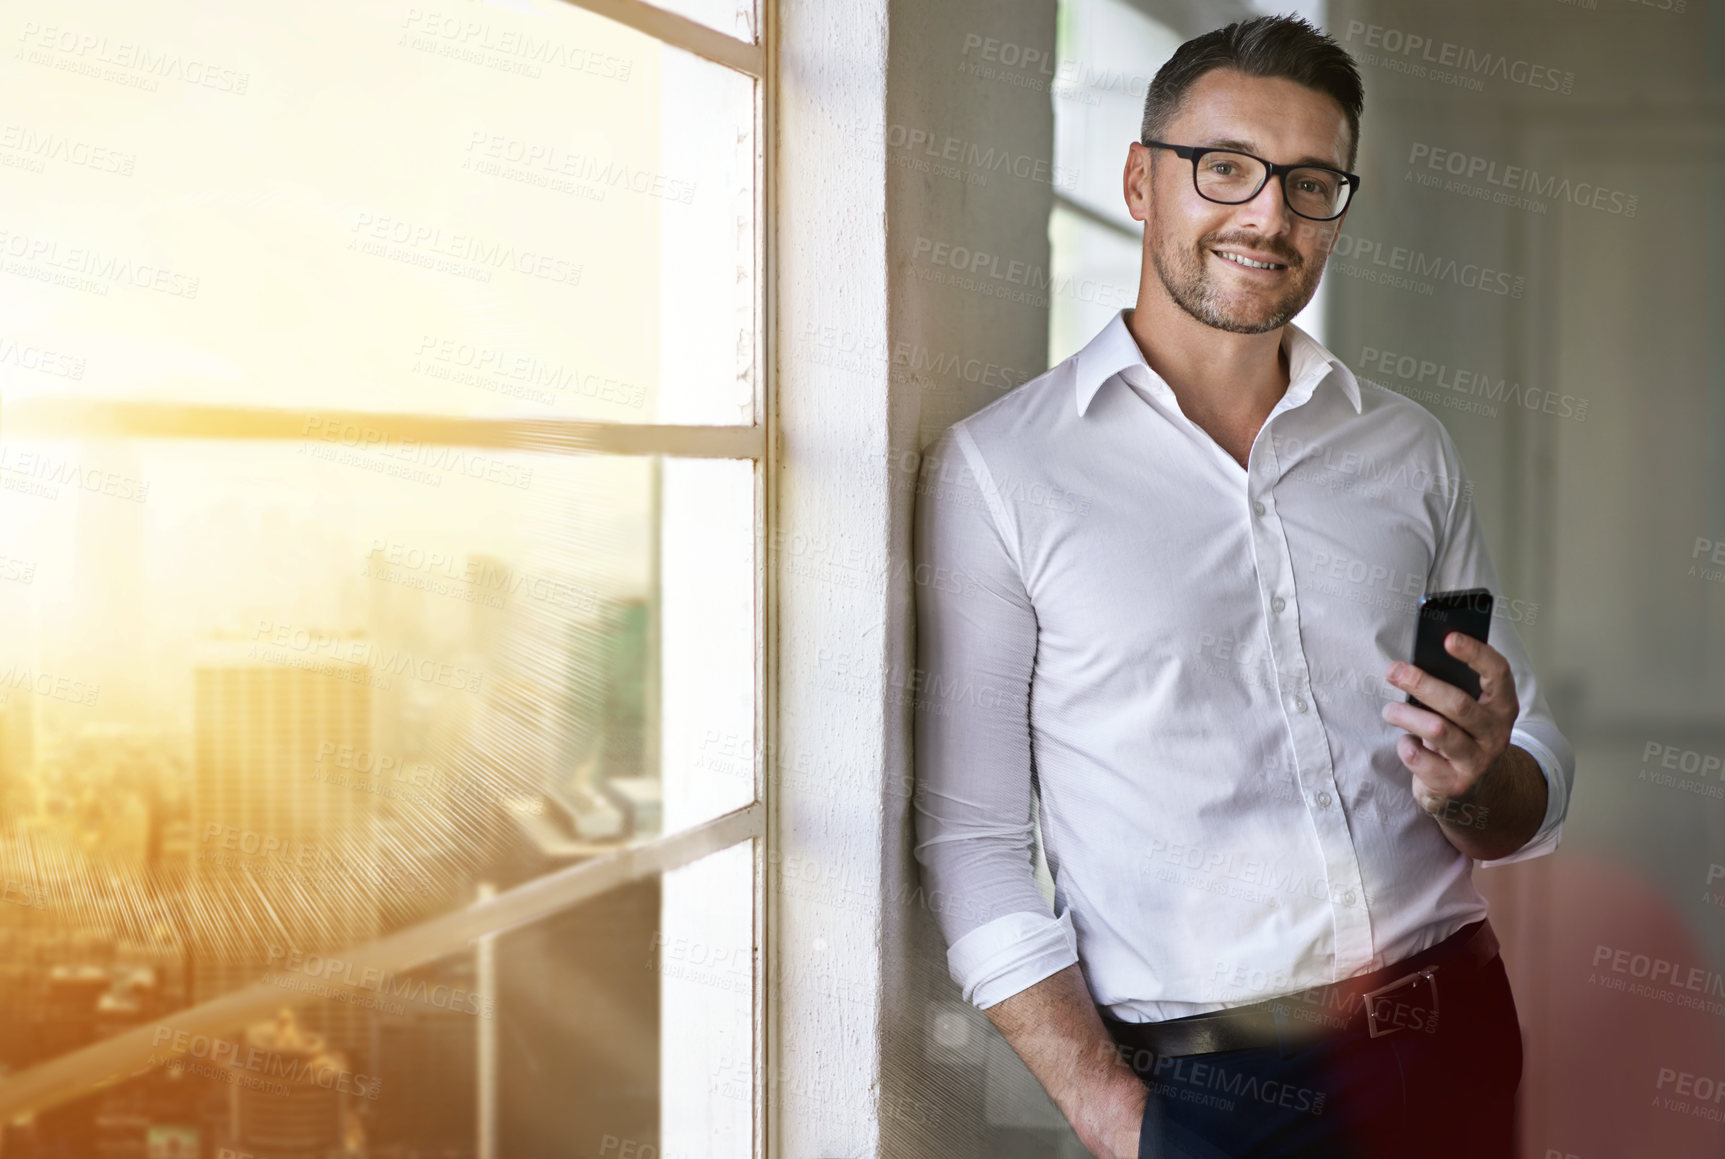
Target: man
1185, 568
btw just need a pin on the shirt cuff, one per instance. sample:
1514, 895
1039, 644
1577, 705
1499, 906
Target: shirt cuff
1011, 953
1550, 831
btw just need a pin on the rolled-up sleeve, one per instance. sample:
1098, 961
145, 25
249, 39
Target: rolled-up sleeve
1463, 562
976, 652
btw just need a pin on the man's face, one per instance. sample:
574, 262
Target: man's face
1275, 119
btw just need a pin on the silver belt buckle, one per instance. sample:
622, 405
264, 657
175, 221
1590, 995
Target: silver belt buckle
1424, 973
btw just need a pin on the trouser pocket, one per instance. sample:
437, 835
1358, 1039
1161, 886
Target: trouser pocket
1164, 1133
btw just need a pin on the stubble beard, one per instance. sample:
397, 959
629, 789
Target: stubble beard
1189, 281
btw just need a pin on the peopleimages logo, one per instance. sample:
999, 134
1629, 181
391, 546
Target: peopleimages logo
59, 687
455, 252
851, 350
38, 147
1417, 55
992, 159
555, 161
386, 983
87, 268
40, 360
1429, 372
1513, 179
372, 440
521, 49
1708, 548
40, 473
1417, 264
361, 655
476, 364
268, 1063
1007, 278
145, 63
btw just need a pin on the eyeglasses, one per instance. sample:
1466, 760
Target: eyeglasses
1230, 177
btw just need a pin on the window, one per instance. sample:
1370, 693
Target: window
382, 401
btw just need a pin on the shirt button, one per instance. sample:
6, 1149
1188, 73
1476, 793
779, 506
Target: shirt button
1299, 704
1323, 800
1277, 604
1257, 507
1350, 898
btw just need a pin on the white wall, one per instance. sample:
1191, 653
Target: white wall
872, 1053
830, 497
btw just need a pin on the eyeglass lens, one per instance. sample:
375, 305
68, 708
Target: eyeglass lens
1234, 177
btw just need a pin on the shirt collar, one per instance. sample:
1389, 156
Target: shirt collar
1114, 350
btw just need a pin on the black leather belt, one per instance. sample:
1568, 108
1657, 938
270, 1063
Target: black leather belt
1401, 996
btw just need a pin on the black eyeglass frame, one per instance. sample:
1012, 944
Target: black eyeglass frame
1193, 153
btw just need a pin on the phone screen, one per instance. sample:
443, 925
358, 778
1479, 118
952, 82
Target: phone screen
1467, 611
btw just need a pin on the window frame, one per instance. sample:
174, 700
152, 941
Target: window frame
77, 1073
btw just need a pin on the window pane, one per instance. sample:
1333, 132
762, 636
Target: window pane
269, 700
479, 208
1089, 254
707, 591
705, 953
1108, 50
733, 17
556, 1037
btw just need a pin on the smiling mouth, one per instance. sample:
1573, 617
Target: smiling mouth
1242, 260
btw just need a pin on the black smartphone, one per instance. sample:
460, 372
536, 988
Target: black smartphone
1467, 611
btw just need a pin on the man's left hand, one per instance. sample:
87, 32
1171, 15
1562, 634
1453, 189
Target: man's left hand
1455, 738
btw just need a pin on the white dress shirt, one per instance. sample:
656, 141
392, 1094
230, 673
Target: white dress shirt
1185, 659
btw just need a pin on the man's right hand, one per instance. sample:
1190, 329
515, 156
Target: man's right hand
1118, 1137
1055, 1028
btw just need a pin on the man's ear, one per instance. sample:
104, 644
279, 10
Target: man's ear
1137, 171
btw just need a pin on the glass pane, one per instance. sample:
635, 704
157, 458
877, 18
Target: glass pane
554, 1038
482, 208
1108, 52
705, 949
261, 703
707, 593
1090, 255
734, 17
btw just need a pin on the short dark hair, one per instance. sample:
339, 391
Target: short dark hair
1268, 46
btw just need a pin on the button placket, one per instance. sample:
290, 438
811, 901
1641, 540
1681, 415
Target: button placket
1311, 747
